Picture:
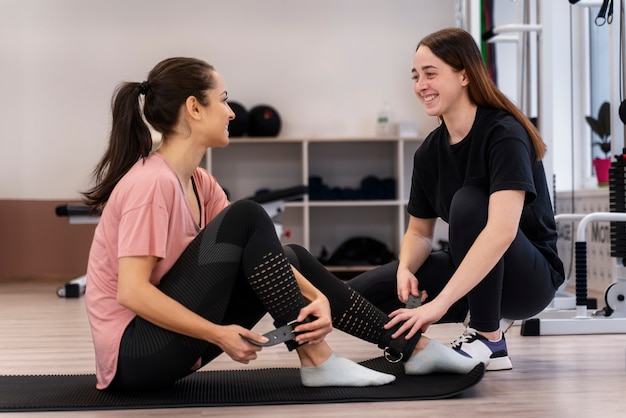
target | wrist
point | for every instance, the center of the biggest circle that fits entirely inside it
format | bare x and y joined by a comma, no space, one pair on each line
321,297
442,303
402,268
214,333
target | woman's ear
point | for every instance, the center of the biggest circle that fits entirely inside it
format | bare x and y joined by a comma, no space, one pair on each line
464,78
192,108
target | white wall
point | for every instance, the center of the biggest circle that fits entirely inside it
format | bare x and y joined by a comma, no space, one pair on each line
326,65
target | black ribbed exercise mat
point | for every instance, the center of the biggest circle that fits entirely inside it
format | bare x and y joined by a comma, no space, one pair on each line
224,388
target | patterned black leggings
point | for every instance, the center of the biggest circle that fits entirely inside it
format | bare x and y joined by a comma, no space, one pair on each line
234,272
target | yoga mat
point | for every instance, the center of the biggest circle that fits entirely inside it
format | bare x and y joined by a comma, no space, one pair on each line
271,386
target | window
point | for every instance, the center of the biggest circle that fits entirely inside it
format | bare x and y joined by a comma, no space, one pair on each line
599,71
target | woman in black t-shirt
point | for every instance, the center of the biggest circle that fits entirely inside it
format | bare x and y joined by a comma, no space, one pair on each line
481,172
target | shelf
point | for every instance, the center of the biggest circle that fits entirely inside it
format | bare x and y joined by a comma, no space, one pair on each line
249,140
295,204
264,140
348,272
352,203
248,165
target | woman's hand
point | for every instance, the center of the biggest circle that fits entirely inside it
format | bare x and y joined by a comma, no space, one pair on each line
314,332
231,341
415,249
319,308
417,319
407,284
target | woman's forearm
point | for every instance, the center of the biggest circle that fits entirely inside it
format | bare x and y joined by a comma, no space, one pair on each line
413,252
417,244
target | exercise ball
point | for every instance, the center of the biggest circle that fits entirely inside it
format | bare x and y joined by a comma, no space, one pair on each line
238,126
263,120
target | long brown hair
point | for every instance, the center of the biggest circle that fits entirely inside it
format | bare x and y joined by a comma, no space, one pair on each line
457,48
166,89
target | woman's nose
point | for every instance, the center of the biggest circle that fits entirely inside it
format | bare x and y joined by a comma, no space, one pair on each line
418,86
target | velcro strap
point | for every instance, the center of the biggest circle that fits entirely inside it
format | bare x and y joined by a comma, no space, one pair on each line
280,335
413,302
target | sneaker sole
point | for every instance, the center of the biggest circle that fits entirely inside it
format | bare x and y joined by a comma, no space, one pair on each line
499,363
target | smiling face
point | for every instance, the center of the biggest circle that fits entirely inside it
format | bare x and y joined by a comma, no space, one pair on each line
441,89
216,115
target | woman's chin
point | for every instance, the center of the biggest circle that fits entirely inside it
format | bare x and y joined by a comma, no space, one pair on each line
431,112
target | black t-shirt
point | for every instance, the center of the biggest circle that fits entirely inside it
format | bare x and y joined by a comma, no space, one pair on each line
496,154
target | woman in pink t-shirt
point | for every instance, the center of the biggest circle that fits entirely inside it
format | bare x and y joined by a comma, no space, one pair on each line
177,275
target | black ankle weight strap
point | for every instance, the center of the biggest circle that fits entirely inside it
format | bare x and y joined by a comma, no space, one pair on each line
400,349
284,334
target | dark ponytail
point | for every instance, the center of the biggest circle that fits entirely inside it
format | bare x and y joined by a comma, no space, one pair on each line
130,140
168,86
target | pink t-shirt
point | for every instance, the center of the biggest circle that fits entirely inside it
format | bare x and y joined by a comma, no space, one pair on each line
146,214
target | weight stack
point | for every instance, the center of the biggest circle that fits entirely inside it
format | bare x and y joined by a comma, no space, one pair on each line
617,203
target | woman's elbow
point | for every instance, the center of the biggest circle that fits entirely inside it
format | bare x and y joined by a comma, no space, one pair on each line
124,297
508,235
503,234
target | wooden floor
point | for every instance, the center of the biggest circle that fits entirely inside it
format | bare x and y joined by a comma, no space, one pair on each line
553,376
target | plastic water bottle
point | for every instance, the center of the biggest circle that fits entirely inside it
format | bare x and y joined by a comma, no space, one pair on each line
383,126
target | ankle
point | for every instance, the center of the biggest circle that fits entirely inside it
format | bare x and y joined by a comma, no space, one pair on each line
493,336
313,355
421,344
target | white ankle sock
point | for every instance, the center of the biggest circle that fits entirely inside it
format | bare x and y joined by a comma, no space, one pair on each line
339,371
436,357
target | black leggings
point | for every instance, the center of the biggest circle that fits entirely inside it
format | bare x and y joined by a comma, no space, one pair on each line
519,286
234,272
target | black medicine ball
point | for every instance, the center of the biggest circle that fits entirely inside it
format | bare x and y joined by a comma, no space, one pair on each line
238,126
263,120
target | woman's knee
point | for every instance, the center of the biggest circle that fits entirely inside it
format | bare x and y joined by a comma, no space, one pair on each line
469,206
247,207
295,254
373,281
297,250
468,217
244,216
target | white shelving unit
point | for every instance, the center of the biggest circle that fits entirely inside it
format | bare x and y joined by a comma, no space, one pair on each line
250,164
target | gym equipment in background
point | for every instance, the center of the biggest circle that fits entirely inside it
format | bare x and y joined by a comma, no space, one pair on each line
370,188
238,127
273,201
358,251
263,120
560,319
77,213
